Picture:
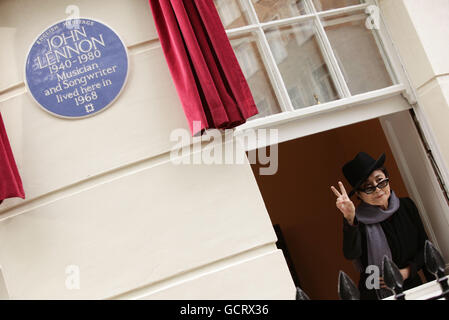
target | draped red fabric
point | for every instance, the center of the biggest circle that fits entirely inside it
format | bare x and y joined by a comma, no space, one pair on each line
205,71
10,182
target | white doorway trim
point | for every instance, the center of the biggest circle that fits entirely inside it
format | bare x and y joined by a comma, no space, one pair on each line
419,177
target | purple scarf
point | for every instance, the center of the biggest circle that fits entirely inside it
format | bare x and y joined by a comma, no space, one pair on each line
376,240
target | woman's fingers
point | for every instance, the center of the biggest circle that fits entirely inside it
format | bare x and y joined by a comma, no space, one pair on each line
382,283
335,191
342,188
343,203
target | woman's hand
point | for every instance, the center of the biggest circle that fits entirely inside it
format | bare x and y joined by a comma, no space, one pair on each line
382,283
344,204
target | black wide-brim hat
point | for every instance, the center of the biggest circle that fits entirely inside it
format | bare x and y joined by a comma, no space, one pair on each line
359,169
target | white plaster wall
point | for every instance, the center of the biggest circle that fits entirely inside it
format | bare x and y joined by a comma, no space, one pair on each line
430,19
235,282
102,193
420,29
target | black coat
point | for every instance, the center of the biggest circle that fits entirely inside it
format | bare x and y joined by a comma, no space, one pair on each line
406,237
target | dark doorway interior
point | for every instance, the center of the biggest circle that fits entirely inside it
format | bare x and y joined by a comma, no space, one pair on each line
299,200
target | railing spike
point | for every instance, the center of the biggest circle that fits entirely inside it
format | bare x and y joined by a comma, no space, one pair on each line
435,265
393,278
433,260
301,295
347,290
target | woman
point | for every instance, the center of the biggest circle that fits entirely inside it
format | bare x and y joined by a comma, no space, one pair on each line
382,224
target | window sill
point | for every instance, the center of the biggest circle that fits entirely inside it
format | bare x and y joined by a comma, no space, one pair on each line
301,122
422,292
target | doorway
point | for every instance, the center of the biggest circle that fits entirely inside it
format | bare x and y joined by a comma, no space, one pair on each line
302,206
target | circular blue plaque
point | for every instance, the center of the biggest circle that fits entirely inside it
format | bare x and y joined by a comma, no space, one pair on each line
76,68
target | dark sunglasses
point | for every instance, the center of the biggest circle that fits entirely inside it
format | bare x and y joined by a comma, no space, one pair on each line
380,185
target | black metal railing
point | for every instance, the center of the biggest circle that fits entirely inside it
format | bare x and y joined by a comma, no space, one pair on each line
434,262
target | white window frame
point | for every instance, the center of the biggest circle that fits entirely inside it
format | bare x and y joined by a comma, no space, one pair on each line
347,109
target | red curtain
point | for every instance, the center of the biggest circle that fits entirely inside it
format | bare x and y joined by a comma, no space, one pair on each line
10,182
206,73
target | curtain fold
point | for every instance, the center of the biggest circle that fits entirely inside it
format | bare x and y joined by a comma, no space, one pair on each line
10,181
205,71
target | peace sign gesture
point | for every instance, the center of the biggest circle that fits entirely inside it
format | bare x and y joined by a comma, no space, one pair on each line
344,204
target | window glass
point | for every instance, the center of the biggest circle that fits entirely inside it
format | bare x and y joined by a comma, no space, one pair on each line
231,13
300,51
357,52
269,10
250,61
301,64
321,5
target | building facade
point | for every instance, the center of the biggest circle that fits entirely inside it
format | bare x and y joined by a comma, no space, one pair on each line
108,215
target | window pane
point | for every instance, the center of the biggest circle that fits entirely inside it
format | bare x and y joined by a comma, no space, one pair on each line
268,10
231,13
322,5
356,50
250,61
302,66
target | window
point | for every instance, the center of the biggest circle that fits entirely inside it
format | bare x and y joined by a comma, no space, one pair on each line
302,64
278,46
322,5
359,56
310,54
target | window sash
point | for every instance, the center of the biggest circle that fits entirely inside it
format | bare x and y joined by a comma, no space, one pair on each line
382,39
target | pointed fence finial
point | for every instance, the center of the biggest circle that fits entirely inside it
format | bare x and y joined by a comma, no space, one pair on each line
435,265
301,295
347,290
393,278
433,260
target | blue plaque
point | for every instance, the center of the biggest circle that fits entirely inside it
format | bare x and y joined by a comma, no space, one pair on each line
76,68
